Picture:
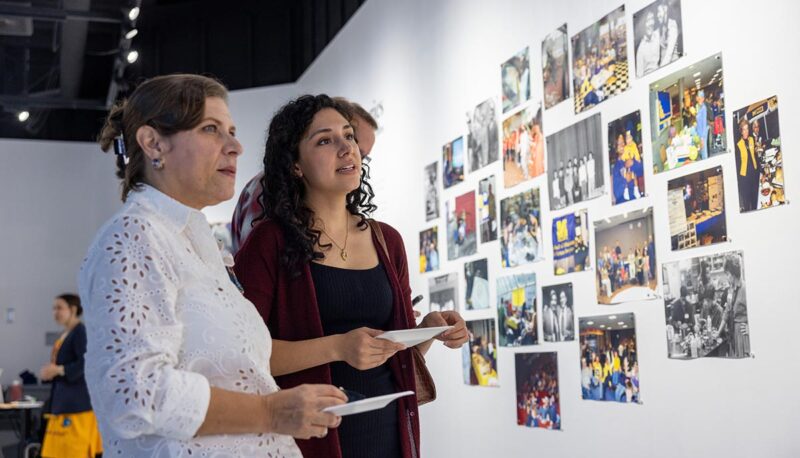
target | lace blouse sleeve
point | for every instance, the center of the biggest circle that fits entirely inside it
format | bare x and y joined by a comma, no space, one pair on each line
129,286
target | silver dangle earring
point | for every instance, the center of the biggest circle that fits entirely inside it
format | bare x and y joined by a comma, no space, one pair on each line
158,164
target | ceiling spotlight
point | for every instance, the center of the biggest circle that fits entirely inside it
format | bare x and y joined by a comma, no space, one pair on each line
132,56
133,14
621,323
131,33
590,323
612,317
697,74
23,116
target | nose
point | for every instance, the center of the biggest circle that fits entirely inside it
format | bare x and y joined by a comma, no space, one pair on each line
234,146
345,147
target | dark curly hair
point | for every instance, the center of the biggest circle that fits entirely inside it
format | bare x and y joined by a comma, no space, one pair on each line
283,197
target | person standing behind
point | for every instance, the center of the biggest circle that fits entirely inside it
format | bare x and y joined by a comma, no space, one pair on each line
72,426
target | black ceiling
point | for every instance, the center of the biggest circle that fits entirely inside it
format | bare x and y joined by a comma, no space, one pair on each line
65,82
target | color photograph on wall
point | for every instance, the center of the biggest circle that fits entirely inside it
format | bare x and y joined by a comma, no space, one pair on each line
625,252
555,67
575,163
462,238
571,243
696,207
600,61
516,78
443,292
523,146
609,358
429,250
453,162
625,158
479,355
521,237
476,275
558,313
657,35
431,191
687,115
483,142
516,310
487,209
706,307
759,157
538,399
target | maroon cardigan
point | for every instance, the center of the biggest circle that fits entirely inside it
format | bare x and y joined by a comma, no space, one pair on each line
289,308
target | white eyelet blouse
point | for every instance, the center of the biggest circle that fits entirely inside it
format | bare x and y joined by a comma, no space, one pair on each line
164,324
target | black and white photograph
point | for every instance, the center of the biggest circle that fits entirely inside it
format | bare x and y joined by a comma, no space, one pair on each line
657,35
600,61
575,163
516,310
431,191
483,141
558,313
487,209
706,307
759,157
443,292
521,240
555,67
516,79
476,276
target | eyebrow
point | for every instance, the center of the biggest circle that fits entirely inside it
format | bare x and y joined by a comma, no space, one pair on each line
327,129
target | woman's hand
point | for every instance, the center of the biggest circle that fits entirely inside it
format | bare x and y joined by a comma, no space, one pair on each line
360,348
298,412
452,338
49,372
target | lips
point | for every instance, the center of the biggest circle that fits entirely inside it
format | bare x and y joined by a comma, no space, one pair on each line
230,171
351,168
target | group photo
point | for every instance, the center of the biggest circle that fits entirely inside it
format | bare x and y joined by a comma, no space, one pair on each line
609,358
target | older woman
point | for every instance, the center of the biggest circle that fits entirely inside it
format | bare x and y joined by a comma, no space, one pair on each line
178,361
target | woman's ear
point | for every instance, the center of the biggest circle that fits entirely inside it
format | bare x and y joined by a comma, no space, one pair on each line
153,144
298,172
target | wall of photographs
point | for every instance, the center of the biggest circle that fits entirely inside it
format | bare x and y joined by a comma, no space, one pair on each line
545,165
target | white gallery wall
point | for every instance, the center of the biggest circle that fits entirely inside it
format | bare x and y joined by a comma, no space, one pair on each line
429,62
53,198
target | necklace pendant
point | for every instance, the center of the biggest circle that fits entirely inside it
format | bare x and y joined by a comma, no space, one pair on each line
343,254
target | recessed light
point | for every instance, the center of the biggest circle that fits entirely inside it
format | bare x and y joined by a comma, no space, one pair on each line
23,116
590,323
612,317
133,14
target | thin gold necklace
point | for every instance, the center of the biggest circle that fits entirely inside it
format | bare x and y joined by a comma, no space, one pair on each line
342,250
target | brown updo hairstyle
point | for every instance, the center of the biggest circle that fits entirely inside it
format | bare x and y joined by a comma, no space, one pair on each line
169,104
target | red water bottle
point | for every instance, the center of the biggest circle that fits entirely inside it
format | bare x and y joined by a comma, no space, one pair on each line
15,391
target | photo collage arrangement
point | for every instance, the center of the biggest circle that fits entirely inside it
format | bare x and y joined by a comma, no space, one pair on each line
703,297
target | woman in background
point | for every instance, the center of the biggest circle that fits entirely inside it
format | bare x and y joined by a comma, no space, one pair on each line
71,426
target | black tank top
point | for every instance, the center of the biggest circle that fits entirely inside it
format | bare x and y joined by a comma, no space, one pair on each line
347,300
